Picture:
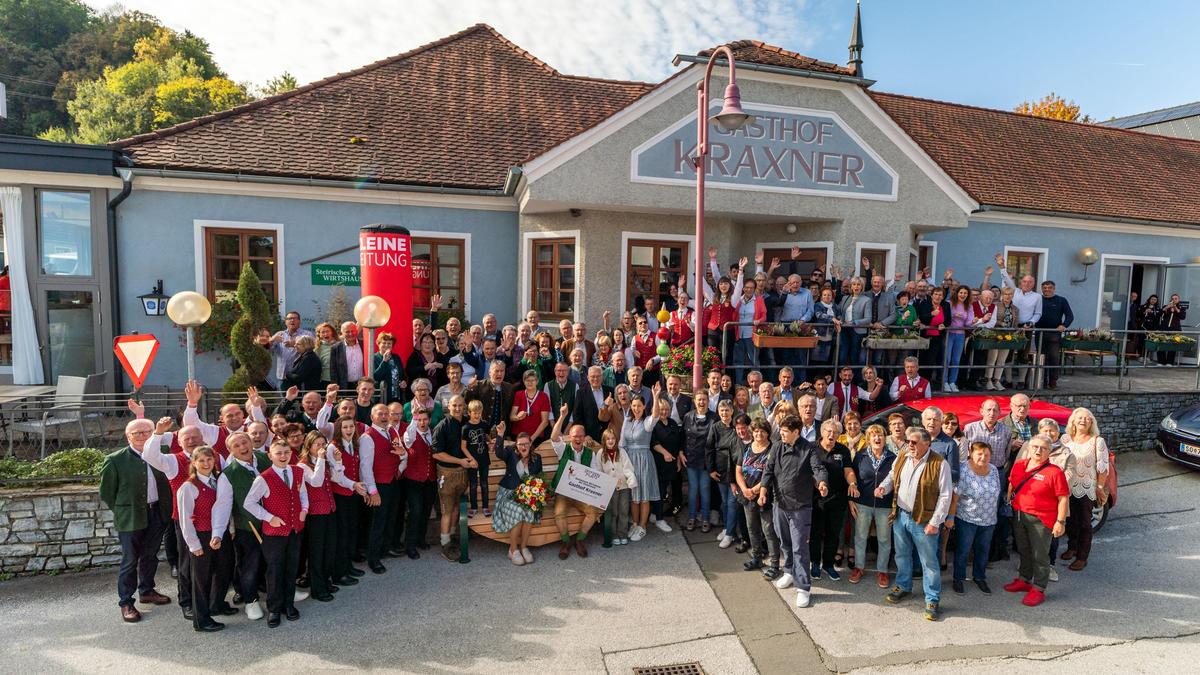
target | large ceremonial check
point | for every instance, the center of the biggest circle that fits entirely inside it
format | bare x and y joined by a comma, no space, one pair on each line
586,485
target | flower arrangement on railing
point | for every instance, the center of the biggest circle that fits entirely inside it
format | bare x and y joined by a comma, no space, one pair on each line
1177,338
793,329
680,360
990,338
1090,335
531,494
889,334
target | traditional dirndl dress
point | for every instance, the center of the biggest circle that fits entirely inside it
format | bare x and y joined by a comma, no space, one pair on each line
508,513
635,443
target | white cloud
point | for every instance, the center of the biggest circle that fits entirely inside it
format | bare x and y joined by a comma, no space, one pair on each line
254,40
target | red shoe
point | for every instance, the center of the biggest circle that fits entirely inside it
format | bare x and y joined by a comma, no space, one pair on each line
1018,585
1034,597
884,581
856,576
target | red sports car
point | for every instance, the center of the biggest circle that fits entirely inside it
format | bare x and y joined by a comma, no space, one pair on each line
966,408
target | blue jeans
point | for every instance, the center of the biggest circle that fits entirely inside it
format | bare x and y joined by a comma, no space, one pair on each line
971,538
850,349
862,532
698,492
907,536
954,350
729,508
745,358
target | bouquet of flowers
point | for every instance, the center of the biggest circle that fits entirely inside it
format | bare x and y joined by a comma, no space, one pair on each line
531,494
681,360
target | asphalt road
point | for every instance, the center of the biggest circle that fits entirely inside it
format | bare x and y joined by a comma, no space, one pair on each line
665,600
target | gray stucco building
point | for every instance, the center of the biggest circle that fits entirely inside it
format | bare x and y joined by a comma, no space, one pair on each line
526,188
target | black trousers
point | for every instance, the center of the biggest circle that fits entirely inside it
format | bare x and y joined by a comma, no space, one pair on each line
322,545
170,545
206,592
349,510
1052,350
419,498
184,581
931,359
828,519
670,487
478,479
249,565
283,561
139,557
396,541
383,521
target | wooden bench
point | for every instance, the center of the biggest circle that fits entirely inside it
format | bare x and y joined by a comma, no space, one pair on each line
544,532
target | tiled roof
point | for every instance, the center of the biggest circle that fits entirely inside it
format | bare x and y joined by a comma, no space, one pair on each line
1006,159
458,112
753,51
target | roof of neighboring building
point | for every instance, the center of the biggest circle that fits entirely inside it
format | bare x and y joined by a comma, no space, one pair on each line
458,112
1155,116
753,51
1019,161
32,154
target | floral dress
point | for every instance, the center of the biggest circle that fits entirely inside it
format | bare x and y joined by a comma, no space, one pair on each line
977,496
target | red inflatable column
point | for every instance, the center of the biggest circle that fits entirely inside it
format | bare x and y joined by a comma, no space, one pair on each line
386,271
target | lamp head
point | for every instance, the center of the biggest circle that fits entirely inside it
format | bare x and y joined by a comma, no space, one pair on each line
732,116
189,308
1088,256
372,311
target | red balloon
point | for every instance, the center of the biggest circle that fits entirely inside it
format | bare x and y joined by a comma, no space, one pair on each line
664,333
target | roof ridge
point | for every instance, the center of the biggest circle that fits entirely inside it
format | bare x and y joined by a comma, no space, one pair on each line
263,102
1089,125
734,44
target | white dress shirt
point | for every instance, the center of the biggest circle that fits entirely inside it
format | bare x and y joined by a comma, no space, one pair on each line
211,432
910,479
354,363
913,383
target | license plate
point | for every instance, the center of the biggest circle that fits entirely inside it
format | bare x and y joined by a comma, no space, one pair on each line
1189,449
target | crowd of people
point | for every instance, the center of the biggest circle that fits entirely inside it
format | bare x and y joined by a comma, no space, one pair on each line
269,499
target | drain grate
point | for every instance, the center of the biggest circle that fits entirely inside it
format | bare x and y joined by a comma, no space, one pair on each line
692,668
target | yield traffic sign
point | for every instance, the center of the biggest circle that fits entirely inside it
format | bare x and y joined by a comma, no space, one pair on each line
136,353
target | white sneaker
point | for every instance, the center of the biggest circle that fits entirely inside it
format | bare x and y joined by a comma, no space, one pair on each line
527,556
803,599
653,518
637,534
783,581
1053,574
662,525
516,558
254,611
726,542
947,390
300,595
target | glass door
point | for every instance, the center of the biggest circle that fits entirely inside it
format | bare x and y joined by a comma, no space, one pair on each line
1114,295
1185,280
72,326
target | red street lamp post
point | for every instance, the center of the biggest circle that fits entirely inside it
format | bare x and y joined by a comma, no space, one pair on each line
731,117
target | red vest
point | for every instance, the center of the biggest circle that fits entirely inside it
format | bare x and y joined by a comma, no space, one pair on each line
841,397
350,468
643,350
181,477
283,503
905,393
218,447
718,314
386,464
420,461
681,327
320,498
202,508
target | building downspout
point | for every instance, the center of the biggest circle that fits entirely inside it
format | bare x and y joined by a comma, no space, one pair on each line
114,310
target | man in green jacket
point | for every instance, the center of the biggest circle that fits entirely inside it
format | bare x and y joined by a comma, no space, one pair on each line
140,499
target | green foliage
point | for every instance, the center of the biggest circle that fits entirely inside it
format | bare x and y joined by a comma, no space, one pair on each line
77,462
253,360
41,24
56,134
278,85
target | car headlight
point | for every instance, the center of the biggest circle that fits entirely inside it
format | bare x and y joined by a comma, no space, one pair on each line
1169,424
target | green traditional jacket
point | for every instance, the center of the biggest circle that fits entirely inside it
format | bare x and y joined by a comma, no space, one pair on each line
124,486
584,458
241,479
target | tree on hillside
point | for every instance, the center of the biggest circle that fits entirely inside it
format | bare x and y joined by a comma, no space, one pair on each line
278,85
1054,107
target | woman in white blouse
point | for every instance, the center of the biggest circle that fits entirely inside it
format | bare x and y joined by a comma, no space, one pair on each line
1087,471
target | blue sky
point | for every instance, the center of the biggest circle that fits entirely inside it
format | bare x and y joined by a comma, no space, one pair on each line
1113,58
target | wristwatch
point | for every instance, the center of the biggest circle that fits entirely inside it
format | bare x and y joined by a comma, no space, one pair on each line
1060,522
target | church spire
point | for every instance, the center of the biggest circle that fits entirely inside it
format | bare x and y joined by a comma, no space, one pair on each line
856,43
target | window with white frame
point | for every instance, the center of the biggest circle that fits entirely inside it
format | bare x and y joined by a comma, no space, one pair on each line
1025,261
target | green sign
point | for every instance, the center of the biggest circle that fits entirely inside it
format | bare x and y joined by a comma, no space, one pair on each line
335,275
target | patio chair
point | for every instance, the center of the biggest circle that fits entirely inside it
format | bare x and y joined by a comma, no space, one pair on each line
66,407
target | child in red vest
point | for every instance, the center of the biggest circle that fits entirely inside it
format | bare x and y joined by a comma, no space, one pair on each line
319,530
279,499
204,506
348,496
